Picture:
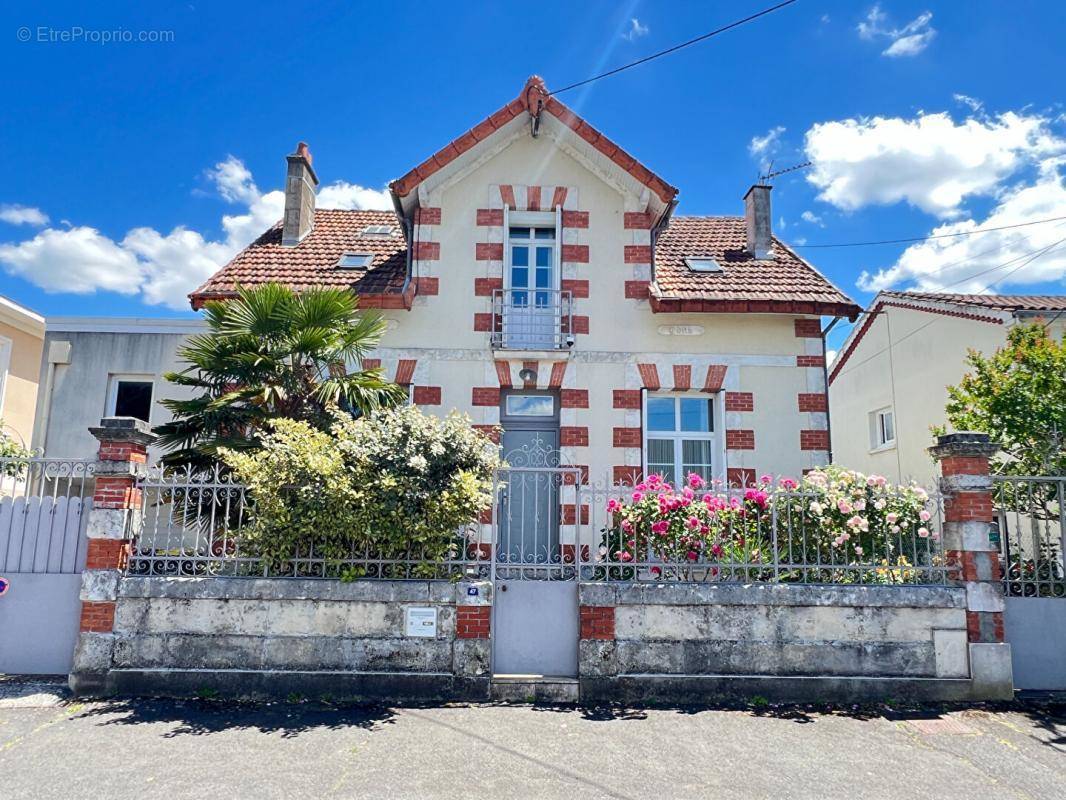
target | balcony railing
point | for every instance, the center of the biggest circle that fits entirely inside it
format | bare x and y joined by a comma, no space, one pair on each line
532,319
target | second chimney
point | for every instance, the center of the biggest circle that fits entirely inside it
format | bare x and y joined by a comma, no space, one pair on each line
300,183
757,220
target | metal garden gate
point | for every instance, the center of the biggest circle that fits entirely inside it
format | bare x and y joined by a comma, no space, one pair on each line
44,507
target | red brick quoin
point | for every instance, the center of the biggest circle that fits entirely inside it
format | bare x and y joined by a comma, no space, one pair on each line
597,622
97,617
473,622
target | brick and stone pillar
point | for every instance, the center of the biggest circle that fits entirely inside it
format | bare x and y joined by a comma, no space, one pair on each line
122,459
973,557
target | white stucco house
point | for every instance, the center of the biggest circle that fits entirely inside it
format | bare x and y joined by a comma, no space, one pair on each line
888,384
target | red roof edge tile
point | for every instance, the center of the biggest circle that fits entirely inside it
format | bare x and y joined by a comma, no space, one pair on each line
534,96
394,300
660,305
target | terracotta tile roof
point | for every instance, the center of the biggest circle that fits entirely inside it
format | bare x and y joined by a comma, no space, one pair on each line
534,94
313,262
785,284
998,302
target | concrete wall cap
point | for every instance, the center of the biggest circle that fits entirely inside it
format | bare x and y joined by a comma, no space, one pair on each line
123,429
964,443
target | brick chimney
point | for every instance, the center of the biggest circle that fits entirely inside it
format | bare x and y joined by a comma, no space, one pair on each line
757,220
300,183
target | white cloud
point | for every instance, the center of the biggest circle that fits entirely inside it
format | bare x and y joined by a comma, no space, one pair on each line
636,30
930,162
830,357
974,105
164,267
767,144
908,40
14,214
992,260
812,218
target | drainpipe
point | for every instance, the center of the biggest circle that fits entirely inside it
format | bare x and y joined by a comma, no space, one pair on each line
825,380
657,228
409,235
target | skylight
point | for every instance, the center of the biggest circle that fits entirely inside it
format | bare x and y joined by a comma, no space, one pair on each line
355,260
377,230
703,264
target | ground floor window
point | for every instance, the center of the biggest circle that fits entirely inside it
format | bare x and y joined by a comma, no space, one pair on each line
679,435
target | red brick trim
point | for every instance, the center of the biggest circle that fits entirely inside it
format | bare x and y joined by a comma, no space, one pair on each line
569,514
483,322
739,401
578,288
808,328
968,507
575,219
484,287
371,363
580,324
427,251
490,217
106,553
123,451
740,477
810,361
503,374
533,198
574,398
569,479
427,216
637,290
637,254
715,378
682,377
427,395
533,367
636,220
575,253
427,286
813,402
814,440
574,436
97,617
559,197
473,622
116,492
405,371
740,439
627,437
597,622
485,396
488,251
558,372
649,376
964,465
626,398
507,195
627,476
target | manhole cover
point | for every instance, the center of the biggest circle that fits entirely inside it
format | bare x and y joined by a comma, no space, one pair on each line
940,725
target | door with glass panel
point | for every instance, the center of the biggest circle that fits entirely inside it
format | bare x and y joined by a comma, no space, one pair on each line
679,435
531,307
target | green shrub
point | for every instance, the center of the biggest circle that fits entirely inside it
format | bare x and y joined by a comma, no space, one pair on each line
396,484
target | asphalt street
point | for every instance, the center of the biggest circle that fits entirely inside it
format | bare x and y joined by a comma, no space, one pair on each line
55,747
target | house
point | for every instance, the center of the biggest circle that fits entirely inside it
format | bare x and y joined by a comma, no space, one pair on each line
93,367
21,337
888,385
534,274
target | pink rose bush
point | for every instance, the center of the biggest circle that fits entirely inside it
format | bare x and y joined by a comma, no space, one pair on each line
835,525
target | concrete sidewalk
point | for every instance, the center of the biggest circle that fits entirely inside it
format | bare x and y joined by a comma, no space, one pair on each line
53,747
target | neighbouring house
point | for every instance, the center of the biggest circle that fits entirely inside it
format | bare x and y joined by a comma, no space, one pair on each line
93,367
888,385
21,337
534,275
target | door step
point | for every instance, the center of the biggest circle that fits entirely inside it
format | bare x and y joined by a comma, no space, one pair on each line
534,689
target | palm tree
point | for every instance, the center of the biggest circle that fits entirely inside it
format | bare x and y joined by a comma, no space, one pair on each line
272,352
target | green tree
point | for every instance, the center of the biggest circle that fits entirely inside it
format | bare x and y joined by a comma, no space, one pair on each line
1018,395
272,353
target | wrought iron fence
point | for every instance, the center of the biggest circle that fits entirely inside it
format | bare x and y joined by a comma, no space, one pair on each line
532,319
1030,525
44,504
783,542
201,524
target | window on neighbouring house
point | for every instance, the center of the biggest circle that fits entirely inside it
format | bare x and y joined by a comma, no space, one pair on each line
882,428
355,261
679,435
130,397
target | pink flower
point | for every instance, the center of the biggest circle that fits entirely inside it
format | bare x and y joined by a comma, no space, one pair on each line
844,507
923,532
641,487
692,555
693,523
891,517
627,525
638,496
662,526
924,515
656,571
716,549
788,484
613,505
696,481
654,479
766,479
626,556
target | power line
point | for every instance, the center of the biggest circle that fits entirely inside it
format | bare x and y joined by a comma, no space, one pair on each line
675,48
1030,257
935,236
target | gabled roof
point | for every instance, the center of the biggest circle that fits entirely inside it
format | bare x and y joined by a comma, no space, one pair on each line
533,99
313,262
784,284
995,309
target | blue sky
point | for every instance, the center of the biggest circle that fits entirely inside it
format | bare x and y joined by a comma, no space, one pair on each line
122,159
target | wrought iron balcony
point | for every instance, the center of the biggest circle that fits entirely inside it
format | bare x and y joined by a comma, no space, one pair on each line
532,319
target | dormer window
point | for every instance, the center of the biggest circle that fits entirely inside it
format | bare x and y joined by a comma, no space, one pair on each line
703,264
378,230
355,261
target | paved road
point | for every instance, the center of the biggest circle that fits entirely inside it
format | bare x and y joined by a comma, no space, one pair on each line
51,747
